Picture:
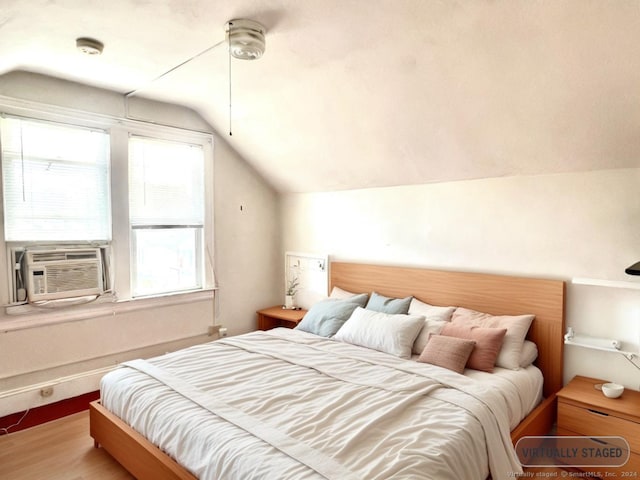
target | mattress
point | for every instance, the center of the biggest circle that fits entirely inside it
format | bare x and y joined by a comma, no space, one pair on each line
290,405
521,389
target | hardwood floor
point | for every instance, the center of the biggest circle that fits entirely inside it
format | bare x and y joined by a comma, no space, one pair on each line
58,450
63,450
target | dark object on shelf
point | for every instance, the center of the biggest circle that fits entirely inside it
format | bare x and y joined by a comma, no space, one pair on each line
633,269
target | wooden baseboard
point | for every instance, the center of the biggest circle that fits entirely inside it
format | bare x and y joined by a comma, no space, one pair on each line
46,413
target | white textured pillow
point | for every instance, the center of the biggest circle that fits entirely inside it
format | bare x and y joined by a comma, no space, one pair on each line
389,333
435,319
517,327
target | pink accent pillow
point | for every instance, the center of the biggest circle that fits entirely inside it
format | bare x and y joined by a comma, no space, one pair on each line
488,343
517,327
447,352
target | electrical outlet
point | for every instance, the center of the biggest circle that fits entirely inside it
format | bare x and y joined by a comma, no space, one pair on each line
46,392
222,332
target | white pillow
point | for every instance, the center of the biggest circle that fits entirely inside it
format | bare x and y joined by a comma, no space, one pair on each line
340,294
434,319
529,353
389,333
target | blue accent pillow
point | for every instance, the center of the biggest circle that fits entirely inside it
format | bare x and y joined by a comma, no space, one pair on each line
359,298
327,316
380,303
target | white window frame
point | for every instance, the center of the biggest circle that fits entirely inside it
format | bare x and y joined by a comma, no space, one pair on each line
119,130
140,225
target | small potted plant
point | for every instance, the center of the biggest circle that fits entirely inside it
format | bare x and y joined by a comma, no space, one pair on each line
292,288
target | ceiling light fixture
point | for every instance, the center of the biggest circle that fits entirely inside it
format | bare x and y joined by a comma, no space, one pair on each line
89,46
246,42
245,38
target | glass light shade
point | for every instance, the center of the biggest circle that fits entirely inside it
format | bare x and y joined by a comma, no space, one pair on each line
246,39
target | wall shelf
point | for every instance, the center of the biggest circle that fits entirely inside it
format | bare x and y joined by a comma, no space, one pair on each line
601,344
597,282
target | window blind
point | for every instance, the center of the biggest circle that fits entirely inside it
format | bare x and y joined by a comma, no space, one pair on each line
166,211
56,181
166,183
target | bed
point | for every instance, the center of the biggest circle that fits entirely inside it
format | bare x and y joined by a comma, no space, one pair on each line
494,294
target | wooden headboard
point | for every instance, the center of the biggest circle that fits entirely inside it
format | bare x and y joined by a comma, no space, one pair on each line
494,294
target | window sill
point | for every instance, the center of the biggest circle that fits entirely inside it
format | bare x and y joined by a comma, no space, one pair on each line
39,318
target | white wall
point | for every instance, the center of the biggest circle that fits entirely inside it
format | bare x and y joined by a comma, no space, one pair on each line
245,245
558,226
249,256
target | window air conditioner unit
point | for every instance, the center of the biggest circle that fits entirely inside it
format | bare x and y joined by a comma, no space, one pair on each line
63,273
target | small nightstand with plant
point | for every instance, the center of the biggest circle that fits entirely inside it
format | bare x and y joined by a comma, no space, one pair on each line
287,315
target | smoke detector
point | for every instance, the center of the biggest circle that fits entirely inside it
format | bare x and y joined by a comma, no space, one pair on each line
89,46
245,38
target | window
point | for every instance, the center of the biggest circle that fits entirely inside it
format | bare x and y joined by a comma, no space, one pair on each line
143,193
55,180
166,210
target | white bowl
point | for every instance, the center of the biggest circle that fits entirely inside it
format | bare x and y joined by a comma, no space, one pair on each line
612,390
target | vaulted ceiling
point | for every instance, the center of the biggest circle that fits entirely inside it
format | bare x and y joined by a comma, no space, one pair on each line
364,93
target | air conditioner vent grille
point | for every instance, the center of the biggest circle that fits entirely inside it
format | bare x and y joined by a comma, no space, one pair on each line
48,257
66,278
61,256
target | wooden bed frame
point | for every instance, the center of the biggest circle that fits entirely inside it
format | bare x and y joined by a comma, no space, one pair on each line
495,294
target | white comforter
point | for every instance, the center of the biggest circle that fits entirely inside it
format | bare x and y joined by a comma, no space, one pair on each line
299,406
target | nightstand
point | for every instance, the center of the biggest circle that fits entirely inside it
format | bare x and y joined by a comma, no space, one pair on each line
279,317
585,411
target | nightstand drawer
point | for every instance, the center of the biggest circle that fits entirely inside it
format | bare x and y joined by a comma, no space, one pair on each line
594,423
